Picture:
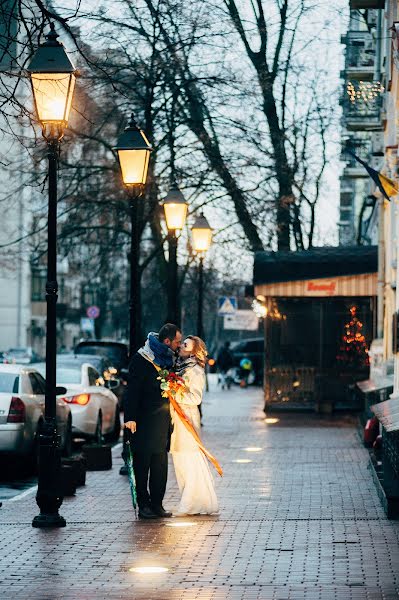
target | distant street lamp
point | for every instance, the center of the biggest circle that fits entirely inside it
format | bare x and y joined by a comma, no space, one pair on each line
52,76
175,207
134,154
202,238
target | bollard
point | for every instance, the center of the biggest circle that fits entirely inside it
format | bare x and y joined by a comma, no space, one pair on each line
98,457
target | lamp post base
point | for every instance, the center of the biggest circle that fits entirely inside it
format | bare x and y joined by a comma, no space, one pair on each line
44,521
49,496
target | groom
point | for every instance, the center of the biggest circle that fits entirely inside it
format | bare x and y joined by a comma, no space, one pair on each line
147,415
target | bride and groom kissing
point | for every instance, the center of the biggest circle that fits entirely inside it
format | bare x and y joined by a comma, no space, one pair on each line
165,417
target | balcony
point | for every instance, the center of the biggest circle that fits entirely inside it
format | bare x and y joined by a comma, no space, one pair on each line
362,115
356,4
346,199
360,55
362,147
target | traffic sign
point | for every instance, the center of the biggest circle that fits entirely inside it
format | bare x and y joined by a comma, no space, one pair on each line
243,320
93,312
227,305
87,325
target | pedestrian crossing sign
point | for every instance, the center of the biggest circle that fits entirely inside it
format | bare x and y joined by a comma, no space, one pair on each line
227,305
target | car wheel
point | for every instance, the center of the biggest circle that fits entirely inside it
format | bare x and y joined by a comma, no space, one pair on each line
98,435
67,449
116,431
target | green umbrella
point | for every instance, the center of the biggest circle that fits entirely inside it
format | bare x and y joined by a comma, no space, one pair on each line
130,472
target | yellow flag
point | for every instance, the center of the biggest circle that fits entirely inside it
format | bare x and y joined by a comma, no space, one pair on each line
389,186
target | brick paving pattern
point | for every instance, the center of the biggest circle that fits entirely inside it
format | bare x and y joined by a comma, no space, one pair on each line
301,521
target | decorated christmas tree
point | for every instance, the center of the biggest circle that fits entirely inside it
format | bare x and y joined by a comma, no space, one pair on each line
353,352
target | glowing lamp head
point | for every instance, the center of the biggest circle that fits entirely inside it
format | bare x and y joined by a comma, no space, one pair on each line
52,76
134,155
202,234
175,207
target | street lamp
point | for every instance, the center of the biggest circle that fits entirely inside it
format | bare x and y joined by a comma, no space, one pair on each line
134,154
175,207
202,239
52,76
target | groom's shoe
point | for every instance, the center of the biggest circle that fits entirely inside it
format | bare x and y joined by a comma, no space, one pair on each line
161,512
146,512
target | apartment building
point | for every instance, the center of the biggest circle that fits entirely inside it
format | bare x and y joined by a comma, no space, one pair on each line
15,198
362,118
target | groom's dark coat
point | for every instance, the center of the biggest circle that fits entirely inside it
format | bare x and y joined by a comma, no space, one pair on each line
144,404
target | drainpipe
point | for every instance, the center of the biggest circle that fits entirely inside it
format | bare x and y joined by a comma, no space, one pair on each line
378,40
381,269
395,393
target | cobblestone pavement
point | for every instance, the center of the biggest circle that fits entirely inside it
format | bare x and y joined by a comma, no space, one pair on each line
301,521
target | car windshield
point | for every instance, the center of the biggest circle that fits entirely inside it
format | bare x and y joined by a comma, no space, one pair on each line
9,383
115,353
68,375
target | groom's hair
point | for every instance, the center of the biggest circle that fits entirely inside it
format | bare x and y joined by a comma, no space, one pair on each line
168,331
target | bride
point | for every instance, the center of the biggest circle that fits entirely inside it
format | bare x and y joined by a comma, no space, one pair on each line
193,474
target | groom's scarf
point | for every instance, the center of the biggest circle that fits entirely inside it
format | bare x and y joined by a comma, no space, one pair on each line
157,352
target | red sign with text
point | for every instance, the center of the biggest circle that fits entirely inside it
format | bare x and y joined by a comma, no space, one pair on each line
320,288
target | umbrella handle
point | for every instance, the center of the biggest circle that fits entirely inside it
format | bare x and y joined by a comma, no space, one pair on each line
129,437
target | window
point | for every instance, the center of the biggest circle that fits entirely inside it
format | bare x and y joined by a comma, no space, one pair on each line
9,383
36,384
67,375
38,286
254,346
240,347
41,382
8,34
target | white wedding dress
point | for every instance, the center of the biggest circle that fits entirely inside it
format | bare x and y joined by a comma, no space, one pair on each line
193,473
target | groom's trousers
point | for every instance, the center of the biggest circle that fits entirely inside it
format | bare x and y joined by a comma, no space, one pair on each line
151,472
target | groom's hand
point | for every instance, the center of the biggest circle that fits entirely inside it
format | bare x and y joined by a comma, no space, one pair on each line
131,425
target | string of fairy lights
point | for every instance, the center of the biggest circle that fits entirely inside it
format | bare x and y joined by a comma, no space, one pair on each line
364,91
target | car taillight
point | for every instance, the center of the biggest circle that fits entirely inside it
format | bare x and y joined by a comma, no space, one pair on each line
16,414
81,399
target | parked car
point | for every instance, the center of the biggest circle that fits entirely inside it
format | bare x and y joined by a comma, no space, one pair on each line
21,356
22,392
117,352
103,365
94,408
254,349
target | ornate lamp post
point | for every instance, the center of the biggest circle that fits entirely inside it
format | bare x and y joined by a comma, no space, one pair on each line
202,239
134,154
175,207
52,77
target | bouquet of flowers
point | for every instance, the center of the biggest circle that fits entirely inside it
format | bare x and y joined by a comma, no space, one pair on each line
171,384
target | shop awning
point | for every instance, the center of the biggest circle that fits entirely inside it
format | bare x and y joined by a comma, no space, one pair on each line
320,272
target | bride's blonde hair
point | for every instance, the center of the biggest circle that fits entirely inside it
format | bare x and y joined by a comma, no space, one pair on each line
199,351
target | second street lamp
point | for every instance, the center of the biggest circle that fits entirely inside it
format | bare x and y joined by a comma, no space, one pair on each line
202,239
175,207
53,79
134,154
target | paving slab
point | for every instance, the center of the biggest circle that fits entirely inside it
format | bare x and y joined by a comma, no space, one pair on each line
302,520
